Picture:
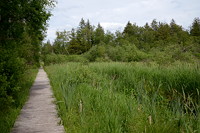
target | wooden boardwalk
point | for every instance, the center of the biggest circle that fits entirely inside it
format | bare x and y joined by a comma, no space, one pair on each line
39,114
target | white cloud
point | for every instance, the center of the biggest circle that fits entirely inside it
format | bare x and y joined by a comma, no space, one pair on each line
114,14
112,26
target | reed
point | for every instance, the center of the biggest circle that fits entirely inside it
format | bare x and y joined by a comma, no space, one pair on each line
127,97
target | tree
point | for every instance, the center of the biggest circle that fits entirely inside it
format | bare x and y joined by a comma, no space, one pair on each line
163,31
119,39
195,28
84,37
131,33
109,38
74,46
89,31
128,30
47,48
174,27
177,34
154,25
99,35
82,24
61,42
147,36
22,26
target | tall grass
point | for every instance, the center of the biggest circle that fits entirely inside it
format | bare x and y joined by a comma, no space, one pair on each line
127,97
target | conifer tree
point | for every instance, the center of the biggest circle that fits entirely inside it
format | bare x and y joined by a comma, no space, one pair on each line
128,30
195,28
99,34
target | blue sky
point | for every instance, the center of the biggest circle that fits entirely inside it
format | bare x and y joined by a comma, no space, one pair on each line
114,14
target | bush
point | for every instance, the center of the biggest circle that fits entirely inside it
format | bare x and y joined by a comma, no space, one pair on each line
100,59
76,58
53,59
132,53
12,105
115,53
126,53
96,52
57,59
172,53
11,73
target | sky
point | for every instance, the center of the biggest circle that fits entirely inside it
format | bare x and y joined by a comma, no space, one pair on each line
114,14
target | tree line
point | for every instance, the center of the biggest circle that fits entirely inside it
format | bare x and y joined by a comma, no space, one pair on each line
148,40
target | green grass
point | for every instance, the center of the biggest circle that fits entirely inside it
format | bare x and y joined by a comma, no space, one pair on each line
127,97
8,117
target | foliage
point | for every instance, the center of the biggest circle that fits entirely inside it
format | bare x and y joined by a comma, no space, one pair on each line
59,59
96,52
160,42
46,48
22,28
84,38
195,28
8,116
61,42
11,73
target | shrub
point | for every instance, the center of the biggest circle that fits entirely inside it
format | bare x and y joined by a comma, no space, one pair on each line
172,53
100,59
11,72
95,52
115,53
53,59
132,53
126,53
76,58
57,59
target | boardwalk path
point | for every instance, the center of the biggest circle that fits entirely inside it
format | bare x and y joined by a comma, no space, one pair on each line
39,113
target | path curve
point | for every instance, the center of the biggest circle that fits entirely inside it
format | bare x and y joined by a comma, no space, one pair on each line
39,113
